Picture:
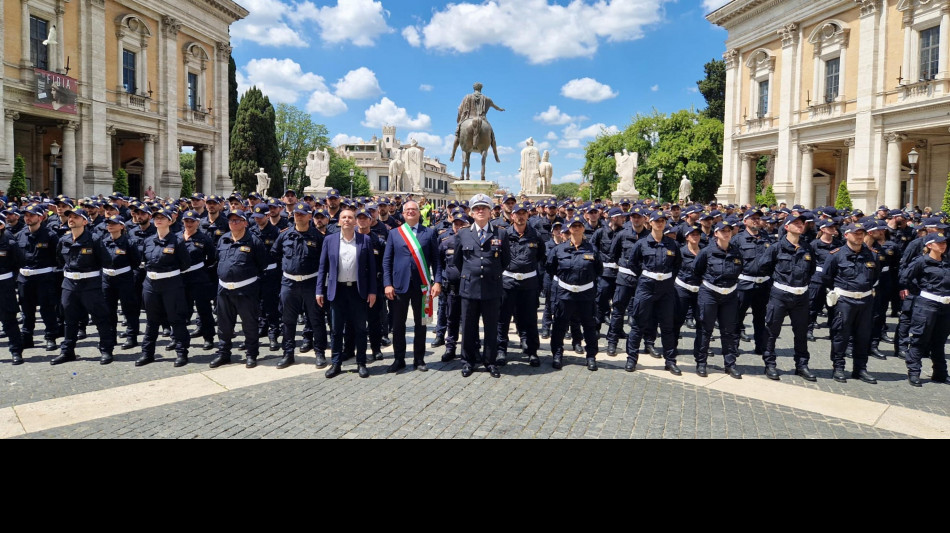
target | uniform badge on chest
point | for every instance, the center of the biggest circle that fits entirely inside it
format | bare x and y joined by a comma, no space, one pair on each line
496,242
86,251
168,251
246,249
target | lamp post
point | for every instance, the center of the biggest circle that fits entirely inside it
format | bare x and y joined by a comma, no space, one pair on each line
659,189
913,157
54,152
352,173
590,187
286,169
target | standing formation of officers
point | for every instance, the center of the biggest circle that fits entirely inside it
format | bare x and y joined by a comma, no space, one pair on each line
360,266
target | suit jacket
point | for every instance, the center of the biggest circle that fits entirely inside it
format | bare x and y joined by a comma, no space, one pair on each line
397,261
330,263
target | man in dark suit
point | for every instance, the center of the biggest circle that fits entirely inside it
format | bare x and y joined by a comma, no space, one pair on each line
347,279
410,265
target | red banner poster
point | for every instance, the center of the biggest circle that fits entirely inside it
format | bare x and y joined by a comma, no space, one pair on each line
56,92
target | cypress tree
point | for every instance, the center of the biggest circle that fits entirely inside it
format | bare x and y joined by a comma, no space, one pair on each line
844,197
946,197
121,184
17,187
254,144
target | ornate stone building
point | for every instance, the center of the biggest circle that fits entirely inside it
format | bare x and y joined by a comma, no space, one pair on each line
837,90
90,86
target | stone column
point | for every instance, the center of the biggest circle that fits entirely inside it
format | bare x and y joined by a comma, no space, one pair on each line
223,182
70,174
806,189
892,179
727,191
784,160
170,180
58,60
97,143
148,173
745,178
849,143
944,71
206,183
25,63
9,118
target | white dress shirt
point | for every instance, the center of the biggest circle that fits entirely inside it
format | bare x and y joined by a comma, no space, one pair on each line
346,271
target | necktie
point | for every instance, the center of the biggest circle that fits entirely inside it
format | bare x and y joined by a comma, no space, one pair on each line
482,236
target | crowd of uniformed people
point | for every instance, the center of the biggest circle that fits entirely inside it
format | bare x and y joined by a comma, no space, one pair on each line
349,271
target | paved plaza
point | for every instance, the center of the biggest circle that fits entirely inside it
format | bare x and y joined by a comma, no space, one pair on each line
86,400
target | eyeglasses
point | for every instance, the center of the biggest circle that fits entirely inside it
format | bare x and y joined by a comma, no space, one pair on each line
236,220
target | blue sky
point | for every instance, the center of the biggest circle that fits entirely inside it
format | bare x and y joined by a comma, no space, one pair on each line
563,70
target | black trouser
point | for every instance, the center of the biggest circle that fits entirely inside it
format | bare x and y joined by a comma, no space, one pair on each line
8,316
605,292
442,321
522,305
817,296
81,299
298,297
547,318
472,311
314,324
199,297
724,308
881,298
565,311
782,304
165,303
39,291
453,312
687,304
349,311
930,327
269,322
902,338
122,289
243,303
400,313
757,299
852,322
623,300
653,305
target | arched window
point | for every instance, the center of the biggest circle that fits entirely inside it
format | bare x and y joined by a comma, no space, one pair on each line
133,35
196,62
830,40
761,65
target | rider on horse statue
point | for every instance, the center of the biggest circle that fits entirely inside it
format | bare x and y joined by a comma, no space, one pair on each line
475,105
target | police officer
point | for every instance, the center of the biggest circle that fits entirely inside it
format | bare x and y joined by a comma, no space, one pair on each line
82,258
521,286
166,257
37,282
929,277
242,260
366,223
656,261
118,281
11,259
576,266
852,271
199,290
547,317
621,249
753,284
791,264
821,248
602,239
264,229
716,272
451,278
914,250
889,257
687,294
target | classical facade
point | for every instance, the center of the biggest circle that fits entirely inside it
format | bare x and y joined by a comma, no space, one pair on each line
837,90
420,174
90,86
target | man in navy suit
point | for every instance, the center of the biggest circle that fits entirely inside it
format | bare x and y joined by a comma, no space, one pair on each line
347,279
404,282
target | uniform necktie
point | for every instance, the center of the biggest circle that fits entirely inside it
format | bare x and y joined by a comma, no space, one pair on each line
482,236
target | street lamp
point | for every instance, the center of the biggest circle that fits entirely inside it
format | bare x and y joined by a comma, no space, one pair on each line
352,173
54,152
590,187
659,189
286,169
913,157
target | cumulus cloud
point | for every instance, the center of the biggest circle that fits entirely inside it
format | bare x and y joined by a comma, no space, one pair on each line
573,136
266,25
282,80
411,34
551,136
358,84
433,144
505,150
343,138
588,89
359,22
326,104
555,117
573,177
712,5
540,30
386,113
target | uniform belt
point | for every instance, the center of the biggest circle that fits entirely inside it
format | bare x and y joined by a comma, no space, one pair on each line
656,276
612,266
520,276
113,273
933,297
79,276
4,277
855,295
687,286
720,290
155,276
793,290
757,281
300,278
627,271
26,272
575,288
237,285
347,283
194,268
271,267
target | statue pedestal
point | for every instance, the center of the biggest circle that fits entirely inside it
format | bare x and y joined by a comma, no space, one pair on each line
633,196
317,192
464,190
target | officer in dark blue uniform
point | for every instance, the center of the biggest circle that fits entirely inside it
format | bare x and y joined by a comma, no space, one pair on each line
914,250
621,249
889,257
366,224
852,271
443,230
11,259
216,223
521,286
602,239
199,290
242,260
753,284
655,260
576,267
118,281
451,277
791,264
929,277
82,259
687,294
37,282
547,317
827,241
264,229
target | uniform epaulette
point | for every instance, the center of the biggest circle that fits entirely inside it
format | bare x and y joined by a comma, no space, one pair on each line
836,250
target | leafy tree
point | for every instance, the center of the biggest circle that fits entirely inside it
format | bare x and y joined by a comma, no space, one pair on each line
843,201
298,135
767,198
946,197
339,177
563,191
254,144
121,184
17,189
713,88
232,93
186,162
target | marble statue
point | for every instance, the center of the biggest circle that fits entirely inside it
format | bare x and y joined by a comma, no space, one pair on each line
686,189
318,168
263,182
397,171
475,105
627,170
546,171
413,158
530,163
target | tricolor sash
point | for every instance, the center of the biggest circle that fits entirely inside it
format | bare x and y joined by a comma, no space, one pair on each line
415,250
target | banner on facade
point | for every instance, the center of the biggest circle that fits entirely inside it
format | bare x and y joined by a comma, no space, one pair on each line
56,92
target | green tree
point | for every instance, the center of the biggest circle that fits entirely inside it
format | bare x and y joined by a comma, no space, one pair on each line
843,201
232,93
767,198
298,135
946,197
121,184
17,189
254,144
339,177
186,163
713,88
563,191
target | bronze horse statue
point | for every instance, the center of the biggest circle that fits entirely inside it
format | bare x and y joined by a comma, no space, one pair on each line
475,136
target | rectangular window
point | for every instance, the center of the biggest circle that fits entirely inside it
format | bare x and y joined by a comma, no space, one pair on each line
192,91
128,72
763,98
929,53
384,183
39,52
832,79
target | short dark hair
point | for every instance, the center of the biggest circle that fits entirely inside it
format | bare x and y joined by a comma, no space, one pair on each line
347,207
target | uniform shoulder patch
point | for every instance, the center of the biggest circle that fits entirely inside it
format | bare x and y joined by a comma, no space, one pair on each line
836,250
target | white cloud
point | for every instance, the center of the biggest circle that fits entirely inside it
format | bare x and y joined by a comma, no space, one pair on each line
588,89
505,150
343,138
433,144
411,34
551,136
326,104
655,88
574,136
574,155
540,30
358,84
359,22
573,177
426,88
265,25
712,5
555,117
282,80
386,113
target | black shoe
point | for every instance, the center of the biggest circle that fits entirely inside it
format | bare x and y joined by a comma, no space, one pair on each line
940,378
630,366
493,371
105,359
887,339
810,336
733,372
501,360
448,357
524,346
307,346
744,337
220,361
251,362
772,373
51,345
612,350
396,367
652,351
534,361
673,369
170,347
123,335
335,370
849,352
421,367
166,332
81,334
545,333
914,379
300,321
321,361
362,371
878,354
378,356
806,374
701,370
386,342
195,334
557,364
181,360
130,344
439,341
579,349
274,345
17,359
864,376
840,376
63,358
286,362
242,346
690,323
207,346
903,355
592,365
467,371
145,360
